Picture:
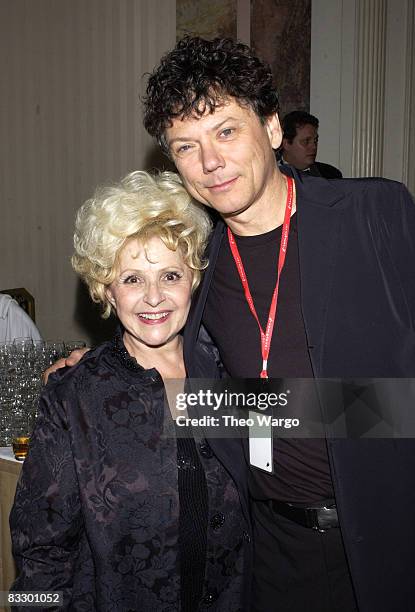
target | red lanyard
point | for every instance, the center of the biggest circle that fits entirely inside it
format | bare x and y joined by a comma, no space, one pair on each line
266,336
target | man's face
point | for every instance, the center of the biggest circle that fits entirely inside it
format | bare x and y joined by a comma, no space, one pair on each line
225,158
302,151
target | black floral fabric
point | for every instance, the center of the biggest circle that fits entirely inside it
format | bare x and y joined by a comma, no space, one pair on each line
96,513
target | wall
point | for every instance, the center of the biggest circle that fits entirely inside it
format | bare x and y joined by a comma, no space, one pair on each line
342,87
70,119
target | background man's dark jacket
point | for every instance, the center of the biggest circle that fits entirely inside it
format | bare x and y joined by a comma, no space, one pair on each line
325,170
317,169
357,254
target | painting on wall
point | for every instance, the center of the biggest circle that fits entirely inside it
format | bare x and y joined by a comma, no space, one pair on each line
206,18
281,35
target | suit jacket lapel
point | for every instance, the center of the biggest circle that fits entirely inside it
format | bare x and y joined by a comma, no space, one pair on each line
319,217
191,330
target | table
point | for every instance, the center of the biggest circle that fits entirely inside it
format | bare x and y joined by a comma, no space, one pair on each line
9,474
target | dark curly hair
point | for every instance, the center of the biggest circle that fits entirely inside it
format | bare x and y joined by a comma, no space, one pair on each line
197,75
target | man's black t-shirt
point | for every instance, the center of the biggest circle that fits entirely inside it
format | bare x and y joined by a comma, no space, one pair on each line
301,468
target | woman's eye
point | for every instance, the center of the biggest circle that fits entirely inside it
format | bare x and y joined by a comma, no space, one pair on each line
131,280
172,276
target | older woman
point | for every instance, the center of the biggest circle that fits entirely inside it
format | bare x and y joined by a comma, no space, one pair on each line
112,508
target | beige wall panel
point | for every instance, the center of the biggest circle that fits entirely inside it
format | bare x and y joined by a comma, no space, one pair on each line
70,119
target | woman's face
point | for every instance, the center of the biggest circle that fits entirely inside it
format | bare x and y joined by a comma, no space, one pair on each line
151,293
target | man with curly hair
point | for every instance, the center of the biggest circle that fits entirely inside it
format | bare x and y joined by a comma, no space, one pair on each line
333,521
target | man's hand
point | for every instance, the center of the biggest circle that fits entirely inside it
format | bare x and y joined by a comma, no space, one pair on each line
71,360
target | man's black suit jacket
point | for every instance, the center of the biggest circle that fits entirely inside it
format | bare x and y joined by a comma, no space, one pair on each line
357,255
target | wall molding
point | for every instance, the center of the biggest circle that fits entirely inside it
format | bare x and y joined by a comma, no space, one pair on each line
369,99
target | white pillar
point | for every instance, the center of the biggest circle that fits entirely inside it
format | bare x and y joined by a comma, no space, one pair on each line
369,100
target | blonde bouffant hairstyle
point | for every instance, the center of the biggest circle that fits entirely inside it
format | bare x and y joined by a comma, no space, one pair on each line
141,206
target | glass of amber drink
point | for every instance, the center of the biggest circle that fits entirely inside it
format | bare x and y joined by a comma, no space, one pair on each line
20,447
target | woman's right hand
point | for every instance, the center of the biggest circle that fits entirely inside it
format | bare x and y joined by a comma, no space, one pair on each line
71,360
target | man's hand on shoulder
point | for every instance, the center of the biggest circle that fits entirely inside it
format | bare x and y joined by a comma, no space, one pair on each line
71,360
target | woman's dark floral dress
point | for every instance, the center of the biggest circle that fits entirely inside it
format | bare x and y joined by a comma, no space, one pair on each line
96,513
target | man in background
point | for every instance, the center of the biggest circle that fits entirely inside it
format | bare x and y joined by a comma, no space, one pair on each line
299,145
14,322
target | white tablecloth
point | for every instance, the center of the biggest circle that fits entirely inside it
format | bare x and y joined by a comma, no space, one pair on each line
6,452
